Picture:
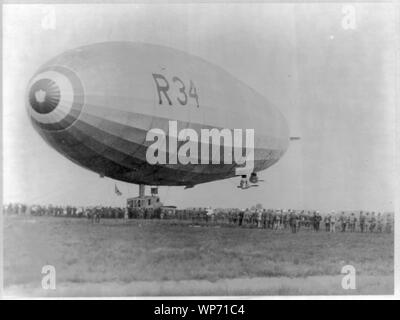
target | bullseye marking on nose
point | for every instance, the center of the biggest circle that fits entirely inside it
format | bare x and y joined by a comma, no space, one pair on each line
48,98
44,96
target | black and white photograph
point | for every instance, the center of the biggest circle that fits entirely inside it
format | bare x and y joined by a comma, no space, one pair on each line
199,149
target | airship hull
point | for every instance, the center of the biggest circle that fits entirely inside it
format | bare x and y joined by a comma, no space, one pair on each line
103,99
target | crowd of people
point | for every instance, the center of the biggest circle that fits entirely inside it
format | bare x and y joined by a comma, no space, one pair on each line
298,219
64,211
273,219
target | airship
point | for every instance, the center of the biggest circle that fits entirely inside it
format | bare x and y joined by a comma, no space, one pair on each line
96,105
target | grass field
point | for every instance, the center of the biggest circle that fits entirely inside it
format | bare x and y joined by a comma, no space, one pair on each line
164,257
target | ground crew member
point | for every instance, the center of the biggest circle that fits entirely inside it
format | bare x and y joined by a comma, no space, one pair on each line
259,217
332,227
388,227
292,221
247,217
348,224
366,222
317,221
285,219
235,218
372,222
244,183
362,222
264,219
353,221
327,221
342,221
241,216
276,222
280,219
270,217
379,223
209,213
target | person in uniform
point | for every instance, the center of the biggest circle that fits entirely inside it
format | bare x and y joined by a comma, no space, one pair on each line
259,217
372,224
286,219
276,222
264,219
89,214
362,222
209,213
253,217
348,223
280,220
244,183
379,223
332,227
270,218
353,221
310,219
366,222
342,221
95,213
297,220
241,217
389,223
247,217
327,221
292,221
235,217
317,221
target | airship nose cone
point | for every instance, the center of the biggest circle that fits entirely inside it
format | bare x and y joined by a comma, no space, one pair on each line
55,98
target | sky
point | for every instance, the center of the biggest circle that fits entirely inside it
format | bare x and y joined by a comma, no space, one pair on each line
332,78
